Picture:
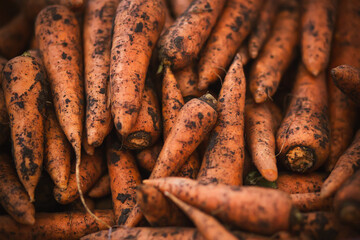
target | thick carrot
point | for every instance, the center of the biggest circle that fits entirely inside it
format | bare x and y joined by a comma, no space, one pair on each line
13,196
294,183
262,122
23,85
308,202
303,136
277,53
262,27
134,38
66,225
260,210
147,128
178,7
347,164
317,25
146,158
158,210
224,157
207,225
98,21
347,201
345,50
182,42
347,79
91,169
124,177
101,188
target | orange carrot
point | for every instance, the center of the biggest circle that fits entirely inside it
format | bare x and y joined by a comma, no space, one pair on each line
146,158
317,23
347,164
230,31
277,53
182,42
101,188
191,167
178,7
224,157
308,202
86,146
347,79
294,183
134,38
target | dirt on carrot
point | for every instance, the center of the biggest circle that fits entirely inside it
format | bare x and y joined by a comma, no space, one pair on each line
309,202
294,183
347,79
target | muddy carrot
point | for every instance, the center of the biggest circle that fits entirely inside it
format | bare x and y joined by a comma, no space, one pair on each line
308,202
345,50
101,188
77,206
317,25
23,85
191,167
133,40
277,53
66,225
262,28
224,157
13,196
158,210
98,21
86,146
303,136
178,7
262,122
124,177
91,169
293,183
347,164
181,44
146,158
347,79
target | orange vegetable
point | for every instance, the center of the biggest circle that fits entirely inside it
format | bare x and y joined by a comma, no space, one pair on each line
347,79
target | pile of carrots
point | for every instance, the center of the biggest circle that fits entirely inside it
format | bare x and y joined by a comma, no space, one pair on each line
179,119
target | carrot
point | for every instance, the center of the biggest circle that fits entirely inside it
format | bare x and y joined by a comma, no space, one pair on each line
303,136
262,28
86,146
347,79
276,54
182,42
294,183
158,210
317,25
178,7
15,35
13,196
124,177
346,201
23,85
147,128
133,40
243,53
224,157
33,7
91,169
345,167
345,50
146,158
308,202
260,210
262,121
207,225
66,225
169,20
230,31
101,188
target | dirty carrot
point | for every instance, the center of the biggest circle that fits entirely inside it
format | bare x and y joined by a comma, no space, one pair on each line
98,21
262,28
86,146
134,38
277,53
308,202
178,7
293,183
182,42
303,136
23,85
317,25
347,164
347,79
191,167
232,28
13,196
146,158
262,122
124,177
101,188
224,157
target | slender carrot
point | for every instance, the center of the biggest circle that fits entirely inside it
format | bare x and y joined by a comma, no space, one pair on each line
101,188
294,183
182,42
317,25
277,53
347,79
224,157
262,27
347,164
146,158
308,202
230,31
178,7
134,38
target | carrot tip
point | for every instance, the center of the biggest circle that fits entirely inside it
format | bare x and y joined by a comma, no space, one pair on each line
269,174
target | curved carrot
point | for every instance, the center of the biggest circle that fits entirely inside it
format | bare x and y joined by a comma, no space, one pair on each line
134,38
347,79
294,183
101,188
308,202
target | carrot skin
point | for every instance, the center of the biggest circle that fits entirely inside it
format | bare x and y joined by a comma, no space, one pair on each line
178,7
294,183
101,188
309,202
347,79
146,158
